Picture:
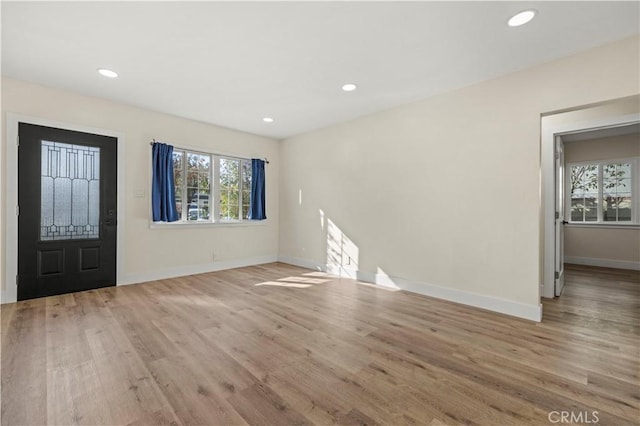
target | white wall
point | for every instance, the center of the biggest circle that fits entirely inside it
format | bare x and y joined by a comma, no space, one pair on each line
598,245
154,253
609,148
442,196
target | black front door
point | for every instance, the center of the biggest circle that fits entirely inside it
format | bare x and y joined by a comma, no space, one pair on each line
67,211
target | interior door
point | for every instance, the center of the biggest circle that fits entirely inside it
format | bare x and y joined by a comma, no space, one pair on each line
67,204
560,215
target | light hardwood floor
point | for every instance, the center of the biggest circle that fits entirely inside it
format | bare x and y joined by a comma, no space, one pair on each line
280,345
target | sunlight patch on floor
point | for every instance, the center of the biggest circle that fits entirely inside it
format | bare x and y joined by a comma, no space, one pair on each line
304,280
283,284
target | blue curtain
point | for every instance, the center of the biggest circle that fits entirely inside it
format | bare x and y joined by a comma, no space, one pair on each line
257,207
163,197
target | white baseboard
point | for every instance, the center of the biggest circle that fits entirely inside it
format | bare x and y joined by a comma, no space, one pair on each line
530,312
303,263
605,263
495,304
181,271
160,274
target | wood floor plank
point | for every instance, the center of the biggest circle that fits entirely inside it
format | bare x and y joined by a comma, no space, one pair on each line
259,405
71,395
24,366
276,344
191,394
225,375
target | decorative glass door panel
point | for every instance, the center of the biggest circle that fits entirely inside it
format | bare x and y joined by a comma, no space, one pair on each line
70,194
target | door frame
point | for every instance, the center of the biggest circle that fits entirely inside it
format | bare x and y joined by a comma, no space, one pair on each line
10,292
560,207
548,135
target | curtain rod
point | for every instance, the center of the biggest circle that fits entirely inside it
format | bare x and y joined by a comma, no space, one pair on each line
212,153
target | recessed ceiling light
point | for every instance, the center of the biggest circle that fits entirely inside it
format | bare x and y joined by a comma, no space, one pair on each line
107,73
349,87
522,18
268,119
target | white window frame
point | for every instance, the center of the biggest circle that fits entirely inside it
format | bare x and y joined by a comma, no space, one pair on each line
185,202
214,191
635,192
240,188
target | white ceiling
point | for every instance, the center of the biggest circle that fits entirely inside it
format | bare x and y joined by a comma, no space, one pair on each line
232,63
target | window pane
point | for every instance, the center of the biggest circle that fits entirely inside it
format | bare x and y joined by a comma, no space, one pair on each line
179,200
246,201
233,197
584,179
178,179
616,192
246,174
192,179
204,163
177,159
233,211
198,187
590,209
609,209
192,209
584,191
577,210
616,171
246,188
204,183
203,204
229,188
624,209
192,161
624,187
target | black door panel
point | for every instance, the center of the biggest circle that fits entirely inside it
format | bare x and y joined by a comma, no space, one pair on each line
67,201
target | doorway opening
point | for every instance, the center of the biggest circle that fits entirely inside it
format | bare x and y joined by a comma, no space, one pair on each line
561,205
599,192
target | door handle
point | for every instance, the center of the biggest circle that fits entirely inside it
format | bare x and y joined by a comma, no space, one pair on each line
564,222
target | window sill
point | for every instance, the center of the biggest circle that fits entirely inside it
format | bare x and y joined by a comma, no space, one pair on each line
604,225
223,224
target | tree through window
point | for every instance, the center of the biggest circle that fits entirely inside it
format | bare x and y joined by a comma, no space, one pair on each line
602,191
199,198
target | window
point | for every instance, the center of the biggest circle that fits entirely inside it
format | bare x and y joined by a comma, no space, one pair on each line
200,198
603,192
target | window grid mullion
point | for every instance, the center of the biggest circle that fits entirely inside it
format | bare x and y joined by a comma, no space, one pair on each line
211,183
215,193
635,190
184,187
240,188
600,200
615,173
